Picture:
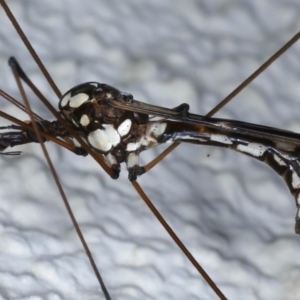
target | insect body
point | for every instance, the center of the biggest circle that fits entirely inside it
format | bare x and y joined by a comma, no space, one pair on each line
108,130
109,121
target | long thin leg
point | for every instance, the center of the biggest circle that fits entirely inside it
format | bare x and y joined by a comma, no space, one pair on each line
30,48
18,72
43,99
193,178
58,184
173,235
18,104
23,76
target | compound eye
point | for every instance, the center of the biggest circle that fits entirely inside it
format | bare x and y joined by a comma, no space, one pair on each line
126,97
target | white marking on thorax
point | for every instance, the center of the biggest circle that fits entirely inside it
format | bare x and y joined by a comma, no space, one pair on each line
279,160
108,95
154,130
104,139
223,139
132,146
95,84
84,120
113,133
253,149
124,127
78,99
295,180
65,100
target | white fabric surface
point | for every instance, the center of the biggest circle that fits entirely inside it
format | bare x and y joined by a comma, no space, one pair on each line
233,213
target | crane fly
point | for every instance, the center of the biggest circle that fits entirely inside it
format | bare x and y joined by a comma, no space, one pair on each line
39,277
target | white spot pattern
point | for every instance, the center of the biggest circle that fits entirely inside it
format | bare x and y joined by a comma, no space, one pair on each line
223,139
104,139
113,134
132,146
78,99
84,120
65,100
253,149
99,139
124,127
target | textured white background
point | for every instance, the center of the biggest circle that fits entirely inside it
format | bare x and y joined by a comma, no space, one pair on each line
233,213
